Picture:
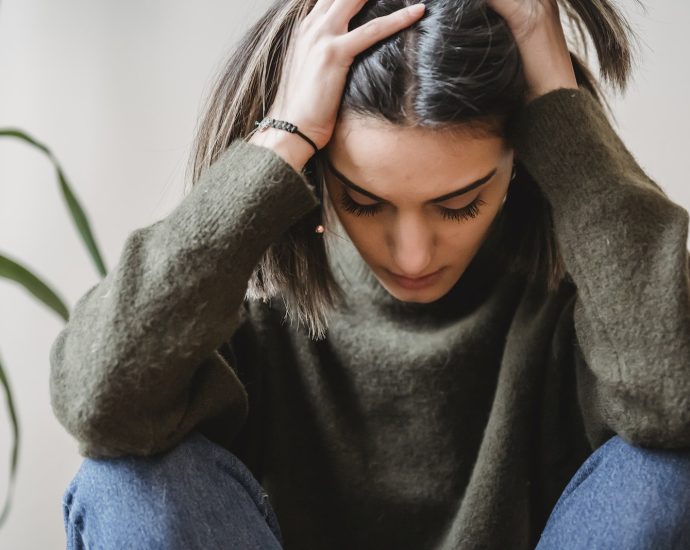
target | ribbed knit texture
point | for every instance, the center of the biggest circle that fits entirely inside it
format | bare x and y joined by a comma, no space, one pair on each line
449,425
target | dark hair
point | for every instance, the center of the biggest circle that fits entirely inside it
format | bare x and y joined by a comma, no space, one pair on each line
457,67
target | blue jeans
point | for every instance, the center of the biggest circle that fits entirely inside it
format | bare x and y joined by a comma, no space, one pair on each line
198,495
624,497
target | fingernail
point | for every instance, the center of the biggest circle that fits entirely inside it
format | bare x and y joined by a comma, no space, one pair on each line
416,9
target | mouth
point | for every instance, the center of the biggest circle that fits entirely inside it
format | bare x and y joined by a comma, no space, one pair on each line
417,282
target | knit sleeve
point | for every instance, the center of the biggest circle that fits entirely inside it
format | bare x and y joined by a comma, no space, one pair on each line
142,359
624,244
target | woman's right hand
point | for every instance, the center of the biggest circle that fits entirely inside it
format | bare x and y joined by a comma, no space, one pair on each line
319,57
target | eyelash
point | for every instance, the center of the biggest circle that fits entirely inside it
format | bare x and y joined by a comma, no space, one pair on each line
458,214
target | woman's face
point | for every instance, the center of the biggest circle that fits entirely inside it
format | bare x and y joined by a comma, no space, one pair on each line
398,219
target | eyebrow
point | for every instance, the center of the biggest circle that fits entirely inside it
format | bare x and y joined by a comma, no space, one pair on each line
461,191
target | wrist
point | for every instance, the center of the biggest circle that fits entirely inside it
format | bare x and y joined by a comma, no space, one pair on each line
291,147
546,61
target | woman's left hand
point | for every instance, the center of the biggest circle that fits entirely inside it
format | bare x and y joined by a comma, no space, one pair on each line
538,32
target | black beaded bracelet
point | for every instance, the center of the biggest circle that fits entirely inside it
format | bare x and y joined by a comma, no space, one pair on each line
283,125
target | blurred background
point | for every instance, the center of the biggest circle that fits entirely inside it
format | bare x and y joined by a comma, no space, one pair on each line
114,89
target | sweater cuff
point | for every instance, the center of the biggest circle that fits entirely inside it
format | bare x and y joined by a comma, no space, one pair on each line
248,194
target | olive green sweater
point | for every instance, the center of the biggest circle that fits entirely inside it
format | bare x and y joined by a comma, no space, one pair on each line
449,425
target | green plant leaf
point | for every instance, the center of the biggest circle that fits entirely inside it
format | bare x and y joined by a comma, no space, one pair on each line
12,270
78,216
9,269
4,382
81,222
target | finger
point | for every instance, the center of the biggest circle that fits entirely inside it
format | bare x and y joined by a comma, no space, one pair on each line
343,10
361,38
321,7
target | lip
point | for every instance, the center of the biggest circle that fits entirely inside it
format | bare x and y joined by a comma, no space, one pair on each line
419,282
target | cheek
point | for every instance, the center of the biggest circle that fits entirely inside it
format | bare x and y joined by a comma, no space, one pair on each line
459,245
473,229
361,230
464,239
365,232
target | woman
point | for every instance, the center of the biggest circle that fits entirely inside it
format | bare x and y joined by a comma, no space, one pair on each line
529,388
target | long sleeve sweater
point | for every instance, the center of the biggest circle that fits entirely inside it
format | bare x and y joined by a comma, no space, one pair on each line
449,425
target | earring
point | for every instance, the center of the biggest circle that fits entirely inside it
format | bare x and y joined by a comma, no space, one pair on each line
319,229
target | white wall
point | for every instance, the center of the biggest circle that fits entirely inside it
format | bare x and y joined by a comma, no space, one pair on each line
114,88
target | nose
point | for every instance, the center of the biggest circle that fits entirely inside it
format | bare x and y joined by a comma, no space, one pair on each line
411,242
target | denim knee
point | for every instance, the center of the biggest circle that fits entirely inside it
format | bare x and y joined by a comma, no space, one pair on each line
624,496
196,495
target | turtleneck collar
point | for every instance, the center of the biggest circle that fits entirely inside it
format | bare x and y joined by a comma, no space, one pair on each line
363,289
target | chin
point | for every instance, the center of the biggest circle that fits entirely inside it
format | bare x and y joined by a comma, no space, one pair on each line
416,300
418,296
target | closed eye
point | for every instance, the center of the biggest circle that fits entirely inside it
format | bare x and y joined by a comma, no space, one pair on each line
458,214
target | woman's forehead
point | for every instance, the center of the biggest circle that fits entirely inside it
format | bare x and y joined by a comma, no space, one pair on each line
358,140
368,151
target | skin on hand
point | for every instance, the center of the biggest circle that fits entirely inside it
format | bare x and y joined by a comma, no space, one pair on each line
316,65
540,37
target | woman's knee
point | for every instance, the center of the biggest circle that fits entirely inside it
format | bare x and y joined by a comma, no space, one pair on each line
197,495
633,496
